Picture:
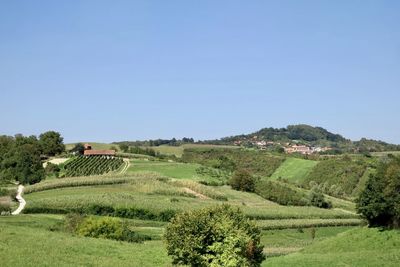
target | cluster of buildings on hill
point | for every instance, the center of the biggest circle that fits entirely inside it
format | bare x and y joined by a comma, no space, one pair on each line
288,147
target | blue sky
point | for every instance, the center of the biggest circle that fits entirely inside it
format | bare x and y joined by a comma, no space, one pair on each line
127,70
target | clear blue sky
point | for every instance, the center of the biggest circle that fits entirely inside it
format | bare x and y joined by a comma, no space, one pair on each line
127,70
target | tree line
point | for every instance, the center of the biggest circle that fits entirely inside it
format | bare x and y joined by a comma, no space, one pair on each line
21,156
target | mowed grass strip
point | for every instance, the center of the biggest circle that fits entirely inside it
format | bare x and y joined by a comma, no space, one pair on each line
294,169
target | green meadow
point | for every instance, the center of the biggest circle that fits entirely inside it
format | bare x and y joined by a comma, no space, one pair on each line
294,169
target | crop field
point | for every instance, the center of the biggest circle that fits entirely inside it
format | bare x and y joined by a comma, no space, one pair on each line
294,169
156,196
94,165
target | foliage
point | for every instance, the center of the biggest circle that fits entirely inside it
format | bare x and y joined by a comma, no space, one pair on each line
78,148
215,236
143,151
281,193
51,143
337,176
220,177
92,165
21,161
52,169
379,203
243,180
317,199
257,162
106,227
124,147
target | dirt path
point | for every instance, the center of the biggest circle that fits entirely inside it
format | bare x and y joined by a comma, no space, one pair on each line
190,191
127,161
20,199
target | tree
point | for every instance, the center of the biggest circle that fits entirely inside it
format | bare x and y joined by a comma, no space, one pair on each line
78,148
214,236
23,164
317,199
124,147
379,202
51,143
242,180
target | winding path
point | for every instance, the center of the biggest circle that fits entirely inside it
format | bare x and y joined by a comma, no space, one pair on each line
20,199
125,168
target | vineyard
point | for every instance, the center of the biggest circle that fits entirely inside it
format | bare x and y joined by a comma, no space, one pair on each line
94,165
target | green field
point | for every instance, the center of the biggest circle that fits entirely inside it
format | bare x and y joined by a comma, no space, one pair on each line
294,169
357,247
151,192
54,246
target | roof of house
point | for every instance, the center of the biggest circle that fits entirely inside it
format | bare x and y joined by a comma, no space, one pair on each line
99,152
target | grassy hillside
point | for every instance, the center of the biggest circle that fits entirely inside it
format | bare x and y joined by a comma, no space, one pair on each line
294,169
338,176
34,241
258,162
357,247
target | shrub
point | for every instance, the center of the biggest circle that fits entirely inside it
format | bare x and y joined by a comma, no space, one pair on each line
317,199
52,168
5,209
214,236
106,227
242,180
379,202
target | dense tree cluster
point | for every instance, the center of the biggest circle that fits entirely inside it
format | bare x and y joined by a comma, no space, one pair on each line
379,202
157,142
214,236
20,156
243,180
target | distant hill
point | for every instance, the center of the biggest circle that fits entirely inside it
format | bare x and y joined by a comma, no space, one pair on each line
307,135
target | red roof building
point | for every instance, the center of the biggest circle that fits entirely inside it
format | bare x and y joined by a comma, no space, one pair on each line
97,152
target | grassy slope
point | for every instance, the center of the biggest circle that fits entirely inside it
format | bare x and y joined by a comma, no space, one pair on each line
151,194
358,247
31,243
170,169
42,242
293,169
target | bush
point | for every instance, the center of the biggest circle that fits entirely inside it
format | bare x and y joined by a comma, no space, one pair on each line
52,168
243,180
106,227
317,199
5,209
214,236
379,202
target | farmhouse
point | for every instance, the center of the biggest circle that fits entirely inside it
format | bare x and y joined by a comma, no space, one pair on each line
97,152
